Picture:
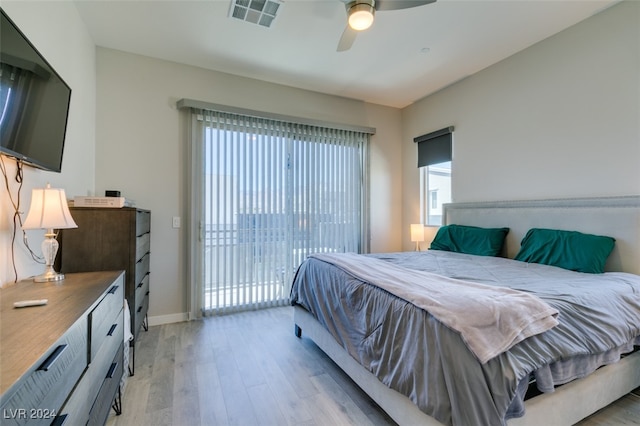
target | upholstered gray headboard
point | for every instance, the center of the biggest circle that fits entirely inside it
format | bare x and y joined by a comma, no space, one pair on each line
617,217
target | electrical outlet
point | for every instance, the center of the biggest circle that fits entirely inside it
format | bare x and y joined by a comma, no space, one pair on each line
176,222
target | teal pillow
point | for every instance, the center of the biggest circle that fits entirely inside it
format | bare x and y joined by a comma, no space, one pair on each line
566,249
470,240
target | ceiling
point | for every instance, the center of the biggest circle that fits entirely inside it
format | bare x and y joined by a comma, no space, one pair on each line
405,56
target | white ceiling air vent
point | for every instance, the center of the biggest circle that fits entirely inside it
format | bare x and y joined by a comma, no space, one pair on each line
261,12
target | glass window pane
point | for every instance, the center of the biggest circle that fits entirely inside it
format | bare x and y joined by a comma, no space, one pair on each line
438,191
273,193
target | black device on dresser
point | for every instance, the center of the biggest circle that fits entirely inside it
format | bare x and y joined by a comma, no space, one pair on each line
108,239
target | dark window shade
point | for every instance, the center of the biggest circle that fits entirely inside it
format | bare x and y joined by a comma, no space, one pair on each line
434,147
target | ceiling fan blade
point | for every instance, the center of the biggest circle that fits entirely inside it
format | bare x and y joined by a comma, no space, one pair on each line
400,4
347,39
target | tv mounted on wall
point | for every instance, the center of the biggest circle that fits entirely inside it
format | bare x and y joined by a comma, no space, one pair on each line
34,102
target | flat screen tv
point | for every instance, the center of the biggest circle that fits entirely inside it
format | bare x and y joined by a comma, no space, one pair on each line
34,102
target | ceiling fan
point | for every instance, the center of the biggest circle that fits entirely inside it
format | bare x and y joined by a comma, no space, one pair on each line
360,15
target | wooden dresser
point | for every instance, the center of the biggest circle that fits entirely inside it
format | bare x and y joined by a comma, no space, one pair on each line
62,362
111,239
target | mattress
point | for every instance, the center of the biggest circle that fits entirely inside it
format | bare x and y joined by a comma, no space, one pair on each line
411,351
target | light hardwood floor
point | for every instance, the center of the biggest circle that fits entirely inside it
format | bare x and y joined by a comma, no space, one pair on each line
248,369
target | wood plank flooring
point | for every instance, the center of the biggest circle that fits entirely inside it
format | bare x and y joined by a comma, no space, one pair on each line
248,369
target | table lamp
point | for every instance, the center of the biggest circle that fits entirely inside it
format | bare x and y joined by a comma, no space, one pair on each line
49,211
417,234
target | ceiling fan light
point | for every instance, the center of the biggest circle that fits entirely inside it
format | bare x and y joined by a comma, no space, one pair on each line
361,16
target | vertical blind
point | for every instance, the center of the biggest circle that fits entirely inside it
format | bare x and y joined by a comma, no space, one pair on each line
272,193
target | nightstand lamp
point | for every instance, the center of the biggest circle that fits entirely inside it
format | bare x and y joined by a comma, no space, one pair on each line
417,234
49,211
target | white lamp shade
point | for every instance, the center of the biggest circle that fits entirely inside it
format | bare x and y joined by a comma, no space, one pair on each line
48,210
417,232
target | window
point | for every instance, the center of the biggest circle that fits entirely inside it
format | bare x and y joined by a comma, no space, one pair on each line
435,184
271,193
434,161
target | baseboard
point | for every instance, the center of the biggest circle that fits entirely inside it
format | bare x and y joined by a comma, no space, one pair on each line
168,319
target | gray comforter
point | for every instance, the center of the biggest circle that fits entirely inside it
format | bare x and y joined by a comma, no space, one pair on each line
490,319
411,351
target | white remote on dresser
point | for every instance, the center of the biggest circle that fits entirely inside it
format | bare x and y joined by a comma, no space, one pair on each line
26,303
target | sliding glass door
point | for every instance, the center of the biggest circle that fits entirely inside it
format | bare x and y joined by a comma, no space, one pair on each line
272,193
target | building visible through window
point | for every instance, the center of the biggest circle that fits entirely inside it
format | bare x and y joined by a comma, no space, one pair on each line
435,184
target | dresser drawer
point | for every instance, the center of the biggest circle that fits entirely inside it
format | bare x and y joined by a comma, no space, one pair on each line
100,410
76,409
143,245
143,222
141,311
142,268
142,290
104,320
99,368
43,391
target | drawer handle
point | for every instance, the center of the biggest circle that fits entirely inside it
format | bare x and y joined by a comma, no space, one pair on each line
140,285
48,363
112,370
112,329
139,309
113,289
59,420
147,293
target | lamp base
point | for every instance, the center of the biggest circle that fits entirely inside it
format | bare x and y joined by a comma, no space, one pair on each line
49,251
49,275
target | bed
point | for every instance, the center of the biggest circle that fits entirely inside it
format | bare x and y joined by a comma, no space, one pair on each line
534,381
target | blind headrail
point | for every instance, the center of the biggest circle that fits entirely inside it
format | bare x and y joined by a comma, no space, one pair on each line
208,106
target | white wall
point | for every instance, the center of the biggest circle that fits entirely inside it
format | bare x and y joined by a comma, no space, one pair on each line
559,119
141,149
56,30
